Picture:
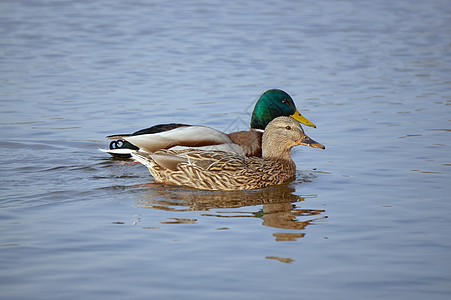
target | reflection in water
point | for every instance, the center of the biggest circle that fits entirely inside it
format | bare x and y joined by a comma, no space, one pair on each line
278,209
180,221
286,260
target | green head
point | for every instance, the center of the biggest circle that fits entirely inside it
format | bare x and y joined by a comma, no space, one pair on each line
272,104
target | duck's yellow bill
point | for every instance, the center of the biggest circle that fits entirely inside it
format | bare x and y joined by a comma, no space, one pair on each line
301,119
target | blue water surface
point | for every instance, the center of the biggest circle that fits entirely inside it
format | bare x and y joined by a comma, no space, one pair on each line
367,218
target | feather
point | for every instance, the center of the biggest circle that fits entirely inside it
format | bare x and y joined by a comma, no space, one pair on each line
187,136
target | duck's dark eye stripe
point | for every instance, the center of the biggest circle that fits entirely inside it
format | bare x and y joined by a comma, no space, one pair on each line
288,127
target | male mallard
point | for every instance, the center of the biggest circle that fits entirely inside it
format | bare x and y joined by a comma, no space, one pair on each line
219,170
271,104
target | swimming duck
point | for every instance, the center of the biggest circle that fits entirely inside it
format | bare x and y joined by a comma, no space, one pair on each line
219,170
271,104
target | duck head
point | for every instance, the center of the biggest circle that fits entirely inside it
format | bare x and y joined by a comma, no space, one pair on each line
282,134
272,104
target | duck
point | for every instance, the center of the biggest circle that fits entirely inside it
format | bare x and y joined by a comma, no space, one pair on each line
271,104
221,170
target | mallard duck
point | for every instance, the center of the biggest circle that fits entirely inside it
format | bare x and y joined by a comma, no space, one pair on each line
271,104
220,170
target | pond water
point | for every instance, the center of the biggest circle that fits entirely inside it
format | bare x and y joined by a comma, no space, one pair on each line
367,218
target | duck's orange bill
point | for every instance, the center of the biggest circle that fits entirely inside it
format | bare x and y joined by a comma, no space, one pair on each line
306,141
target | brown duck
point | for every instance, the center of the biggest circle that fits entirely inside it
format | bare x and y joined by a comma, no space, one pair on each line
220,170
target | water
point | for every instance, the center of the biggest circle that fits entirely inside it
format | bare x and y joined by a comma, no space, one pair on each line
366,218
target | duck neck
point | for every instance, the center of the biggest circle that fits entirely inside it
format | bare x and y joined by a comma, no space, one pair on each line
260,118
264,112
273,149
283,156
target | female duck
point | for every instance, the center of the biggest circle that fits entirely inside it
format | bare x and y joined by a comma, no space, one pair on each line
271,104
219,170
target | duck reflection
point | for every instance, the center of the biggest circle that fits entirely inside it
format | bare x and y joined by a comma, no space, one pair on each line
278,206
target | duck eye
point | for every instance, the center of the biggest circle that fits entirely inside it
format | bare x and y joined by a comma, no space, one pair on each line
284,101
288,127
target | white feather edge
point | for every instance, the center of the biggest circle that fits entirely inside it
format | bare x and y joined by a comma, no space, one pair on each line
117,151
167,161
141,159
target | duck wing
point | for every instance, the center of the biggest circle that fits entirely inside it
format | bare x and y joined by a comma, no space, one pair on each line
172,160
171,136
194,136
